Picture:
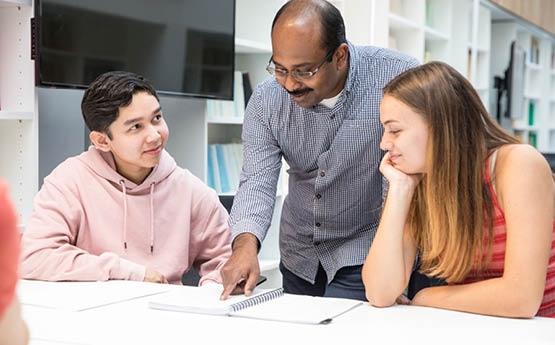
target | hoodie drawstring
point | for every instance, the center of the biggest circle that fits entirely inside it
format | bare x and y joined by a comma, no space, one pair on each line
152,217
122,183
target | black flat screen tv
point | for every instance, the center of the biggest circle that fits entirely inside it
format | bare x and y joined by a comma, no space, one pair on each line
184,47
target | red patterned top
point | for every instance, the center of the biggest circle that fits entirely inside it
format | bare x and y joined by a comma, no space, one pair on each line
496,266
9,250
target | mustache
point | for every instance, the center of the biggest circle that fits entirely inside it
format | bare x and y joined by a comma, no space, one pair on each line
299,91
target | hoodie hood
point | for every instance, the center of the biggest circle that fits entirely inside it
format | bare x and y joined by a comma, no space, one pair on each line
103,165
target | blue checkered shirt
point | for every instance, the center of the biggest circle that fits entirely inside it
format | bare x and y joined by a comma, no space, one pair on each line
332,210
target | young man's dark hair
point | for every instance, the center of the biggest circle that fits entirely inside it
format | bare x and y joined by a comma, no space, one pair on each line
109,92
333,27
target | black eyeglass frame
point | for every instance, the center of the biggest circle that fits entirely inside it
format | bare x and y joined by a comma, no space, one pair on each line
298,75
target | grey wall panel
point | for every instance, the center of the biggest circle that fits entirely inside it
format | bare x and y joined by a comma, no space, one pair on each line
61,127
187,140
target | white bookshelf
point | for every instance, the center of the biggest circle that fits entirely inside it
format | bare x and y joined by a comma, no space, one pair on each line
535,124
440,30
18,114
227,120
245,46
479,51
437,30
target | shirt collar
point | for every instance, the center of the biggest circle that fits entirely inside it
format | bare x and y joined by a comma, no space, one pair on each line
330,102
352,81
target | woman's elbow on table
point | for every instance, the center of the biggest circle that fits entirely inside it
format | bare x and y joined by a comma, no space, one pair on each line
378,299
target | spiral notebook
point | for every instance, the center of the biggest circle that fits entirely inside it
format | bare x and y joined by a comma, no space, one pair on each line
263,304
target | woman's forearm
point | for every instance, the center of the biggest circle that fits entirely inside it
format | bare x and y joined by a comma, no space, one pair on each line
385,269
496,296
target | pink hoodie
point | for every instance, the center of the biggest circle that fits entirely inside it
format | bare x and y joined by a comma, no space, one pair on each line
90,223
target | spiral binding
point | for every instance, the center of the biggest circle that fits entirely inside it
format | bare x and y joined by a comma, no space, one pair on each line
250,302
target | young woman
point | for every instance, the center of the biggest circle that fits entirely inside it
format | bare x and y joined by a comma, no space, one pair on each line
477,206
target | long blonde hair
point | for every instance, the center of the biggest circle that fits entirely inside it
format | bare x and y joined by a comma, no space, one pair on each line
452,205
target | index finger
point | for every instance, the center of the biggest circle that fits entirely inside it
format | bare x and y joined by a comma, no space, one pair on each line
229,286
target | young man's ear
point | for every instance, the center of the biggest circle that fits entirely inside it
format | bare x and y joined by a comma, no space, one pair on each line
100,140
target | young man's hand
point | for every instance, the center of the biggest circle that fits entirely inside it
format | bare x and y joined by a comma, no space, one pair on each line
241,271
152,276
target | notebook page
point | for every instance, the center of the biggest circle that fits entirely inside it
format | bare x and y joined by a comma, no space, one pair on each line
202,300
78,296
300,309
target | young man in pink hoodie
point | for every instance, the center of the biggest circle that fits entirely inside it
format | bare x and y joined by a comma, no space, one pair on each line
124,209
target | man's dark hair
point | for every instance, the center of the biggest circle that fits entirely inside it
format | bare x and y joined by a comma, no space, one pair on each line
109,92
331,21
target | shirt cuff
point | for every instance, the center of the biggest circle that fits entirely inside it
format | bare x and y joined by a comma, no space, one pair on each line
246,226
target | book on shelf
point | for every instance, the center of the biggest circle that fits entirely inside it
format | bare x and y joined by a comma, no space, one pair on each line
224,166
534,51
210,169
247,87
273,305
214,170
232,167
429,15
469,64
235,109
531,107
427,56
238,94
220,109
533,139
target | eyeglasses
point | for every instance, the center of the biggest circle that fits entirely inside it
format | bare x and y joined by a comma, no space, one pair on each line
299,75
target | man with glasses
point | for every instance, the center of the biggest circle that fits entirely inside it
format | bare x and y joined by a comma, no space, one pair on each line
320,112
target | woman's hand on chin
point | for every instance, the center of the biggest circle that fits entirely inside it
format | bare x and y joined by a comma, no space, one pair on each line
396,176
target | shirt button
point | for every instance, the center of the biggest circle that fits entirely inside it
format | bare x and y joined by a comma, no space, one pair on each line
322,173
318,196
316,243
332,116
317,225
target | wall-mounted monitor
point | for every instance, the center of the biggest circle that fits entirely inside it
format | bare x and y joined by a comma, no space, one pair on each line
510,88
515,82
184,47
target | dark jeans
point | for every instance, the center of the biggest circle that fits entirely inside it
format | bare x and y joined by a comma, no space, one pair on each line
347,283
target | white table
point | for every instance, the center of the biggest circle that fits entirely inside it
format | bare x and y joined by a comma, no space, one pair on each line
132,322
